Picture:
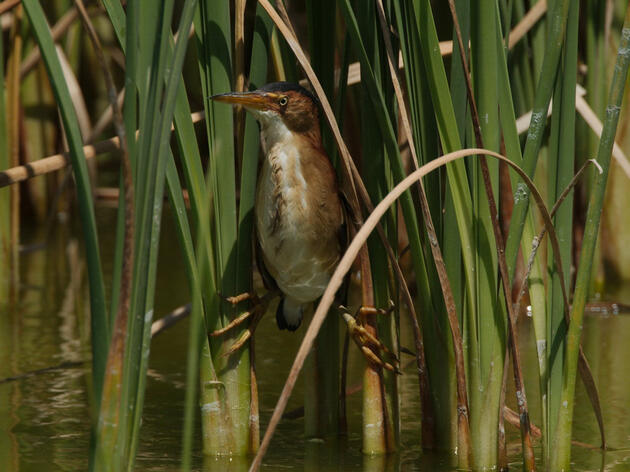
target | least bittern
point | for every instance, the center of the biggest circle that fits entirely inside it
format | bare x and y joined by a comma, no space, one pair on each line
299,212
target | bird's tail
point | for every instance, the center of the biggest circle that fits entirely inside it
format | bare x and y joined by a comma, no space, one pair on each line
289,314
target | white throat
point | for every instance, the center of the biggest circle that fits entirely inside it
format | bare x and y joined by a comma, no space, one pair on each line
272,129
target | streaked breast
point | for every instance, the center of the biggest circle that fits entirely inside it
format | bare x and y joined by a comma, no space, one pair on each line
298,216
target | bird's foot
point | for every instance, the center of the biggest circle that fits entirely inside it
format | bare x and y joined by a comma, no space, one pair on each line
235,300
241,297
364,311
370,345
254,315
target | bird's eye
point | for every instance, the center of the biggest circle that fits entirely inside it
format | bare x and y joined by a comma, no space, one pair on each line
283,101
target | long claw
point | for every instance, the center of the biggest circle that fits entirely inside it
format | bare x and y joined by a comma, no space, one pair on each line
235,322
241,297
371,357
377,361
363,337
364,311
370,345
254,315
238,343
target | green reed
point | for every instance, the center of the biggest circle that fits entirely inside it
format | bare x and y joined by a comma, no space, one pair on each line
463,409
561,453
5,194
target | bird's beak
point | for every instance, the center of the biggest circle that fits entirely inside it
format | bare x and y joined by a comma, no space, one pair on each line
254,100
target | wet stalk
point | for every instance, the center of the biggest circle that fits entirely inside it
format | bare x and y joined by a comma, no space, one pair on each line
560,458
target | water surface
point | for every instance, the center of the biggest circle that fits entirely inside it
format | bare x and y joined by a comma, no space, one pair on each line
44,418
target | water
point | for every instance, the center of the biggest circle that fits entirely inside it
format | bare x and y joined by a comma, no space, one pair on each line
44,418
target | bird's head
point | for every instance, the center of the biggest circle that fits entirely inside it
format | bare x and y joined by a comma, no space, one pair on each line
279,103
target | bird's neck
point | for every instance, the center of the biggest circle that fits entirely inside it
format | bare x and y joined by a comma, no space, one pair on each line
288,169
274,132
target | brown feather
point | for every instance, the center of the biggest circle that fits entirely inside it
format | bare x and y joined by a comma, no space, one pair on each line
298,211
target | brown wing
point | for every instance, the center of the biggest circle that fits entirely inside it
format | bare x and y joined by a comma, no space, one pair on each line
348,218
268,281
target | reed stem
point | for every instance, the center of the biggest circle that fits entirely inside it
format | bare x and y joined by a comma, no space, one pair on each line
561,455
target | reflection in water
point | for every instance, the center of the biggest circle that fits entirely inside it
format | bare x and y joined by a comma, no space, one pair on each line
228,464
44,419
9,393
382,463
607,348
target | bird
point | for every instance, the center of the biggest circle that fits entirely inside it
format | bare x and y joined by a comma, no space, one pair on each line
299,214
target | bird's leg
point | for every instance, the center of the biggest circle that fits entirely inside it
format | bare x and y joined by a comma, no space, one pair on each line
241,297
232,324
255,314
369,345
361,316
365,311
235,300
